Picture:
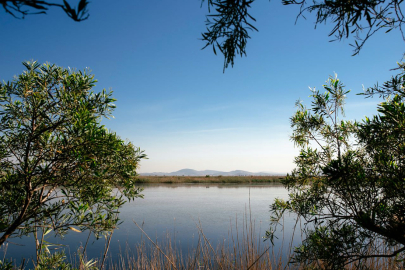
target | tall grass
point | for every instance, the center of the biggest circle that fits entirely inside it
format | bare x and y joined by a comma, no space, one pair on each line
210,179
242,249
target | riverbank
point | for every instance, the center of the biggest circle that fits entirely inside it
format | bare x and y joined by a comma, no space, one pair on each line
209,179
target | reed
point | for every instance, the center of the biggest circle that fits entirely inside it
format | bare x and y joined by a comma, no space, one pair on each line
242,249
210,179
241,253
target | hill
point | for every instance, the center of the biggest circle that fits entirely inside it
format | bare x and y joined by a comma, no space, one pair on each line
191,172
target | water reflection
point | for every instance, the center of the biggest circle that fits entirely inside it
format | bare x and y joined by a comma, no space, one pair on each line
177,210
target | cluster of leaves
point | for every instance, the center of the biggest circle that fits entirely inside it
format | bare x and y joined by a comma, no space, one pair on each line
354,17
58,165
21,8
349,181
6,265
228,30
57,260
53,261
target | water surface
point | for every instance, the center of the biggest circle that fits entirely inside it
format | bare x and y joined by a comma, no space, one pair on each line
179,210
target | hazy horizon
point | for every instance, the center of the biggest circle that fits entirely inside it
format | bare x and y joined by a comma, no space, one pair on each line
214,170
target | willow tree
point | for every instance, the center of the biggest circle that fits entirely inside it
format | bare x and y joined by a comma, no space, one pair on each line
349,181
22,8
59,166
229,23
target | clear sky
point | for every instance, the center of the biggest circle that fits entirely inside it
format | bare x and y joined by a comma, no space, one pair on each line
174,101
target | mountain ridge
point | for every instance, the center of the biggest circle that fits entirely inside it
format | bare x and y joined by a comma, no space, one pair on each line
191,172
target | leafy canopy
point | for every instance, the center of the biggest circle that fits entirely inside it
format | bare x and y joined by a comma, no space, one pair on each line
349,181
229,25
21,8
227,28
58,165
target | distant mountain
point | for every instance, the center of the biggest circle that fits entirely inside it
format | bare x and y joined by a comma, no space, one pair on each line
191,172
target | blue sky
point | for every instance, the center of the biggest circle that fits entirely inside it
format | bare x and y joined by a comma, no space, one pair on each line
174,101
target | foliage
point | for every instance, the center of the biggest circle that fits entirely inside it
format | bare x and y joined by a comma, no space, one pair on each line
58,165
57,260
229,26
53,261
230,23
349,181
354,17
6,265
21,8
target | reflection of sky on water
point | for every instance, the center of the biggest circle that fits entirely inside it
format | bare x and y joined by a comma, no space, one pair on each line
178,210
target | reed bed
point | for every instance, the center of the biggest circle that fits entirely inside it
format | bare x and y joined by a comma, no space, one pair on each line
209,179
241,250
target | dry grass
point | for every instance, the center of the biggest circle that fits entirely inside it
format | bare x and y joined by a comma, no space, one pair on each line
241,251
210,179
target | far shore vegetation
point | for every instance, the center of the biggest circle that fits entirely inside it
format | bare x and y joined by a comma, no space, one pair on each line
209,179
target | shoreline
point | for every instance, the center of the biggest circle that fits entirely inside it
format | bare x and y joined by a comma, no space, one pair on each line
209,179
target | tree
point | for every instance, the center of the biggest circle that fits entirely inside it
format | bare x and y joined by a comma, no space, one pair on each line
59,166
21,8
227,29
348,184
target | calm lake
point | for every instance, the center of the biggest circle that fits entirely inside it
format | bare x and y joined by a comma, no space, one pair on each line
178,211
